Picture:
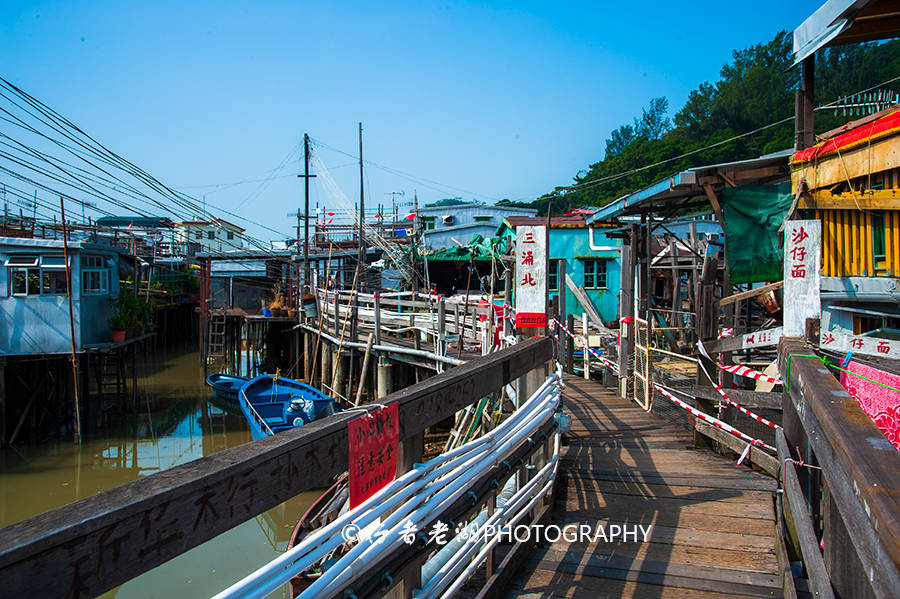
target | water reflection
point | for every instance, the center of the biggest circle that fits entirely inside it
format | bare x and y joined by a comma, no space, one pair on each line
175,421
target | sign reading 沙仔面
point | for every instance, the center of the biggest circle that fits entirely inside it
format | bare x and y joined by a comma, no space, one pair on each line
802,258
531,276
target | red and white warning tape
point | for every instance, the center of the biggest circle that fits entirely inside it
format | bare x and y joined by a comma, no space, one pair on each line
728,400
749,373
611,365
741,370
712,420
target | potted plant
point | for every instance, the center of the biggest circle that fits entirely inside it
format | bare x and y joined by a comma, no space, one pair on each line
131,315
118,323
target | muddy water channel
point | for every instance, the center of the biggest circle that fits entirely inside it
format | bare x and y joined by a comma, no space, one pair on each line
175,421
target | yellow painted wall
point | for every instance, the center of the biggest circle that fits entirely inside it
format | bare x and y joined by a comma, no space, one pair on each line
847,244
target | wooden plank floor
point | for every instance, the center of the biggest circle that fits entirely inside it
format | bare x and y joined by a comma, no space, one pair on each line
713,521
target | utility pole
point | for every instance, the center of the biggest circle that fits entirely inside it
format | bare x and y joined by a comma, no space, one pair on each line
361,261
393,195
415,233
305,177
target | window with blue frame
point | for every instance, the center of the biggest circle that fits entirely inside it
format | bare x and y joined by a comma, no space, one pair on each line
595,274
553,275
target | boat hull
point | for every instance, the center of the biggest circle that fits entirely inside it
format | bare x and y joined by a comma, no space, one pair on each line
274,404
226,387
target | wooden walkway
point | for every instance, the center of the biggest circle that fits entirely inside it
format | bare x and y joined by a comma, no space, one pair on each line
713,521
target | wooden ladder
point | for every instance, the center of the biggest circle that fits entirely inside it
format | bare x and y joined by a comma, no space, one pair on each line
216,341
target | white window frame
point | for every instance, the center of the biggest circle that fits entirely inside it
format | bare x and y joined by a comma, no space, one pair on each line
23,263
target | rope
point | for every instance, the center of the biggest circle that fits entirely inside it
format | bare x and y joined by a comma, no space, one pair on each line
827,362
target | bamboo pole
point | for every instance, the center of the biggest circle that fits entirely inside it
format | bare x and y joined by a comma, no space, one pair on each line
365,369
344,327
77,432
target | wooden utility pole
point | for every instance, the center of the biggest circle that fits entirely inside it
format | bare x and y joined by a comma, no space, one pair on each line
62,210
361,262
804,111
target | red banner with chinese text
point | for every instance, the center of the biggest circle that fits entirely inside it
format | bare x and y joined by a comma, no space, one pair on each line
880,403
374,439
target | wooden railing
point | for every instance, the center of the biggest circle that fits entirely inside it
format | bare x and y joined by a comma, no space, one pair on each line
840,508
98,543
438,318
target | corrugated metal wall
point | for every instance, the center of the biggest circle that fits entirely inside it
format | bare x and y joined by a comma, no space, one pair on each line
847,243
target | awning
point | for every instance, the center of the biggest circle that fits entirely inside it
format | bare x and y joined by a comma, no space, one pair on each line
845,21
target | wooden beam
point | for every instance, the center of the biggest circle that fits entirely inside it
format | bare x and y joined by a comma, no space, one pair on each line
802,522
881,154
861,468
95,544
748,399
714,201
878,199
736,444
752,293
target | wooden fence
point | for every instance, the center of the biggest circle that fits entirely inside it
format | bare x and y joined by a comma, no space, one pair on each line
840,507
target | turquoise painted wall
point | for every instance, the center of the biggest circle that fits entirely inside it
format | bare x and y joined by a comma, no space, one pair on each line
573,245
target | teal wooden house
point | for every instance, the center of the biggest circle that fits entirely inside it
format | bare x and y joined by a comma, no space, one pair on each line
592,261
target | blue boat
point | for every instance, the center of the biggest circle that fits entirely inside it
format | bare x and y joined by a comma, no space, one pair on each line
226,387
273,404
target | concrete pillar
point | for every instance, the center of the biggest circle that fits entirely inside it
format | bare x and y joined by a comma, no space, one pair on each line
384,377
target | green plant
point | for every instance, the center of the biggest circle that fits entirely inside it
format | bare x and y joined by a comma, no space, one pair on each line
130,311
117,322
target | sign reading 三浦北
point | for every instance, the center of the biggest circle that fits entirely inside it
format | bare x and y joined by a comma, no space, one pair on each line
374,440
802,257
531,276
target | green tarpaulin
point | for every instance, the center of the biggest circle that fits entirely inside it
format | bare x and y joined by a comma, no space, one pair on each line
479,249
752,217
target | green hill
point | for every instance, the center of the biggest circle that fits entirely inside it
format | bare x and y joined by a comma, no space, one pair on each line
753,92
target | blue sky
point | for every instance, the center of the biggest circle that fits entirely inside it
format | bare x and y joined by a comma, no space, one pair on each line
495,100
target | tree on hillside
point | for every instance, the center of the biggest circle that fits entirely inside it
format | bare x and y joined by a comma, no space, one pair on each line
754,91
654,122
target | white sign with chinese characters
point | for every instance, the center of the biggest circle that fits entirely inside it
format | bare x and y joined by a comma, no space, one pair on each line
802,258
531,276
859,344
764,338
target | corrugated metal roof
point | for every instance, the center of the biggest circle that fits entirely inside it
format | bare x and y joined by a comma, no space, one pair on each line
845,21
685,184
574,221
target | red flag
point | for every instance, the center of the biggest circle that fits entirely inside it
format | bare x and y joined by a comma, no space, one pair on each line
411,216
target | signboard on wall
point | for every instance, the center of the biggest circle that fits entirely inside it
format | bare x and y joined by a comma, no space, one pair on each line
531,276
802,260
374,442
859,344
